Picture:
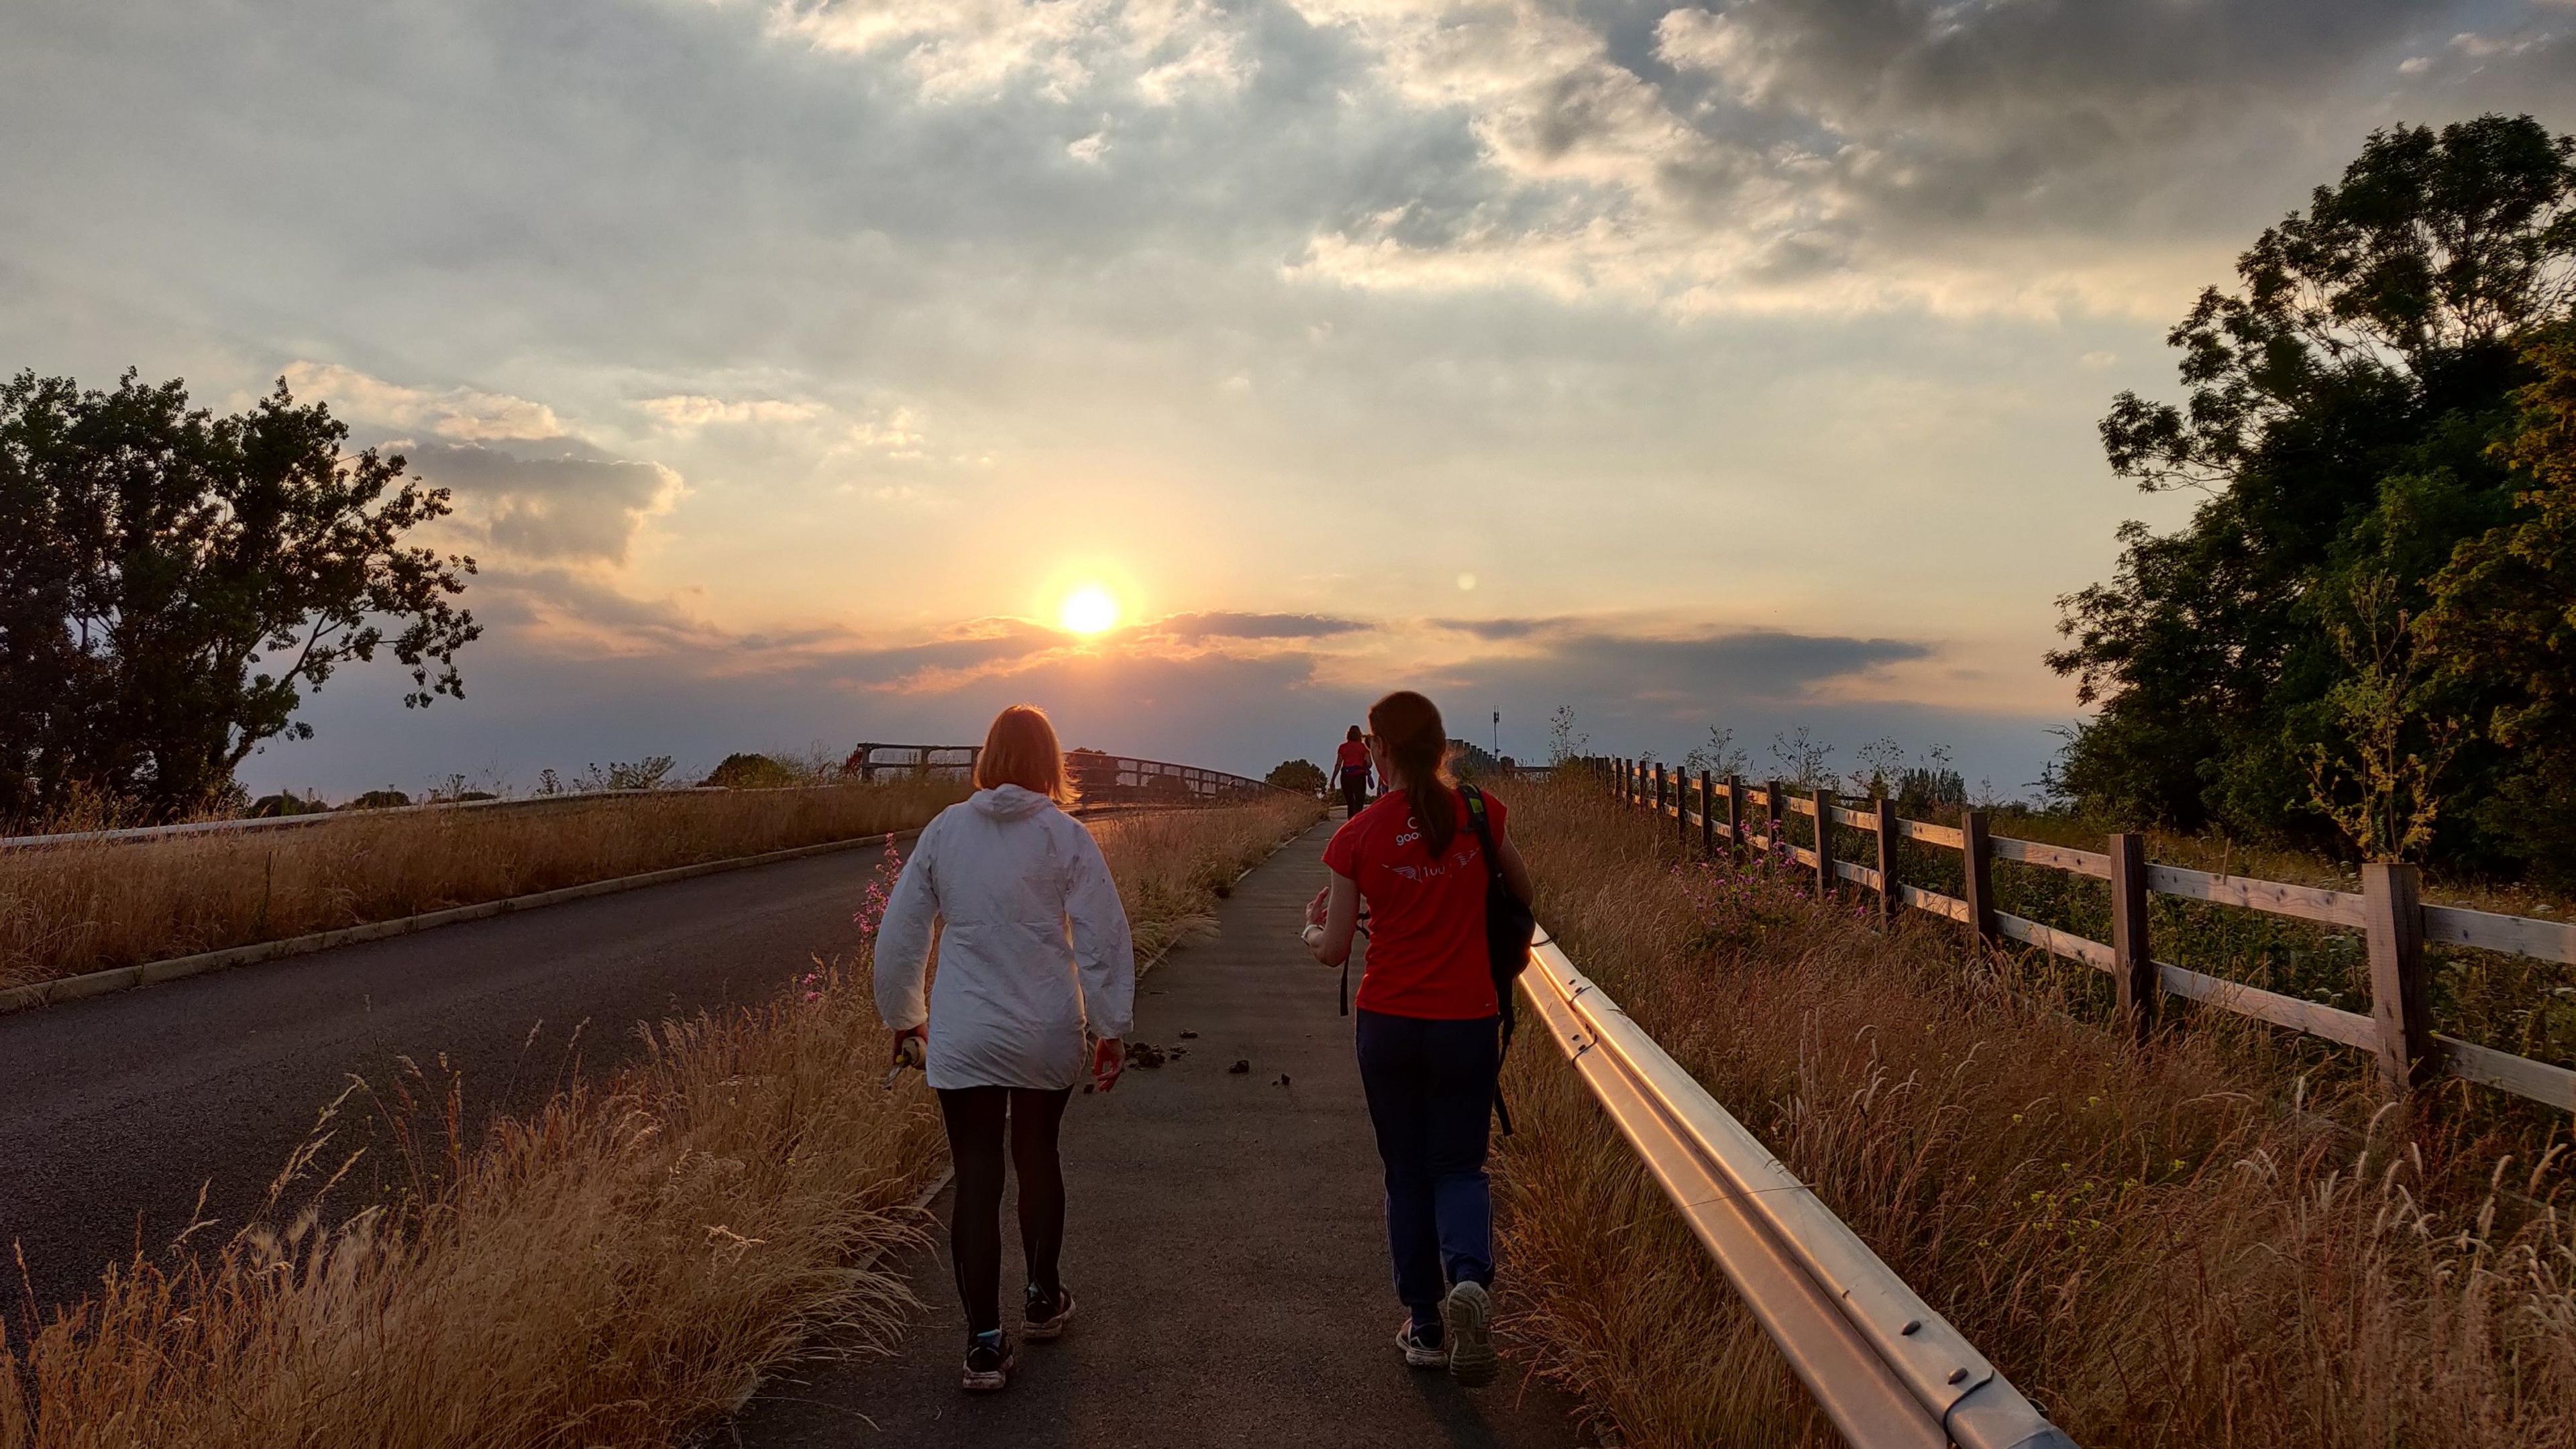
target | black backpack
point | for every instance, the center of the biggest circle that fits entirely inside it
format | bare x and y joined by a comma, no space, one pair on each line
1509,929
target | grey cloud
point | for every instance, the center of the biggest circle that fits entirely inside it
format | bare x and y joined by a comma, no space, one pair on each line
1230,625
873,665
1765,665
1501,628
700,699
572,506
509,599
2055,111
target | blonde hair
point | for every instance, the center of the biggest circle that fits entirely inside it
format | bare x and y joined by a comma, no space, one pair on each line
1021,749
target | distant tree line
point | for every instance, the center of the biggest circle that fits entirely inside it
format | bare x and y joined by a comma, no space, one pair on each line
2365,637
172,584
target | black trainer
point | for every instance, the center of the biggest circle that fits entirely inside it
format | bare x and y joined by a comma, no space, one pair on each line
989,1361
1047,1315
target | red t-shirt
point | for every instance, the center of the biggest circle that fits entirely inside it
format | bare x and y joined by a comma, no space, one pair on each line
1426,946
1352,756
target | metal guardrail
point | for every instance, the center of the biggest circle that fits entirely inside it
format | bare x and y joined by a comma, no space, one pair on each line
1882,1365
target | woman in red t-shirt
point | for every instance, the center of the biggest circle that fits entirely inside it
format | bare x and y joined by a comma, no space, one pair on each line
1351,772
1429,1046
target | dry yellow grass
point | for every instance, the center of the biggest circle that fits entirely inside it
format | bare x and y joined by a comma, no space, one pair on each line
619,1268
88,908
2146,1239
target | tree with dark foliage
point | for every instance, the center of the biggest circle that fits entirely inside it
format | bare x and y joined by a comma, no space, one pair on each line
172,583
2341,413
2503,620
1305,777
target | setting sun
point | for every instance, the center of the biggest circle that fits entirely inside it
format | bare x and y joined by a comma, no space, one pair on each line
1088,610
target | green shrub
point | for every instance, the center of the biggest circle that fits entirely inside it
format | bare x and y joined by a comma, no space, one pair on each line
741,771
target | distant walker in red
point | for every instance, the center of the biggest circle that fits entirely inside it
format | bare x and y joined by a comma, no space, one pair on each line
1351,772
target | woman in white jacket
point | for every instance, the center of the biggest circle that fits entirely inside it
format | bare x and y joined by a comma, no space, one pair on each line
1033,951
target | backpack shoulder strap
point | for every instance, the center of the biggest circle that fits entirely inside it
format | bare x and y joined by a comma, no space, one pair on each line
1484,827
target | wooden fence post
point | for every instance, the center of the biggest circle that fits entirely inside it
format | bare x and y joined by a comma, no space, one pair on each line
2401,981
1977,876
1735,816
1771,816
1681,809
1824,801
1707,816
1886,861
2133,964
1659,792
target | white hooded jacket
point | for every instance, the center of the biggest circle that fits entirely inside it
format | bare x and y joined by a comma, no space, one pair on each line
1034,944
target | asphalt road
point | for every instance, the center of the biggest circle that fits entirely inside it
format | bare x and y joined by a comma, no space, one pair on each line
1226,1247
115,1110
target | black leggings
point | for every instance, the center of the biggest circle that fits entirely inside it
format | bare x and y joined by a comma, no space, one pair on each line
974,1116
1354,792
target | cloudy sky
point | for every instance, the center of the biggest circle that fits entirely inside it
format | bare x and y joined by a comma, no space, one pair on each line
793,360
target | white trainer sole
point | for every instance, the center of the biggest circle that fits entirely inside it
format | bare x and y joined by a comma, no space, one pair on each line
1468,1314
1052,1327
994,1380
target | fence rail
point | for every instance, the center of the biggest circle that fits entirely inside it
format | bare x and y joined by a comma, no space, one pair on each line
2396,924
1881,1364
1103,779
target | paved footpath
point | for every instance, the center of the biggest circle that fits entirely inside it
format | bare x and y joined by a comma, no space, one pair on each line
1226,1246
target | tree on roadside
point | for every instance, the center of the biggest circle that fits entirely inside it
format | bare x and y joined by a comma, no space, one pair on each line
173,583
649,773
1303,776
1564,741
2504,617
2340,406
746,771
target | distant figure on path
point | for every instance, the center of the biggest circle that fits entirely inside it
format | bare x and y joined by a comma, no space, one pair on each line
1351,772
1428,1024
1035,952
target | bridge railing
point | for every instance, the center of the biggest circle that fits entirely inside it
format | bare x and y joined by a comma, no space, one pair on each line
1101,777
2396,925
1889,1372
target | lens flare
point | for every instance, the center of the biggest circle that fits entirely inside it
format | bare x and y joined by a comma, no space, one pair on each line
1088,610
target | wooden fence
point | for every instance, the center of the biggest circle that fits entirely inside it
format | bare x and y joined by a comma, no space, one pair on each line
2395,923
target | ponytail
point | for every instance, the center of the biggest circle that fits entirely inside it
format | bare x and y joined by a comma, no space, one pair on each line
1418,745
